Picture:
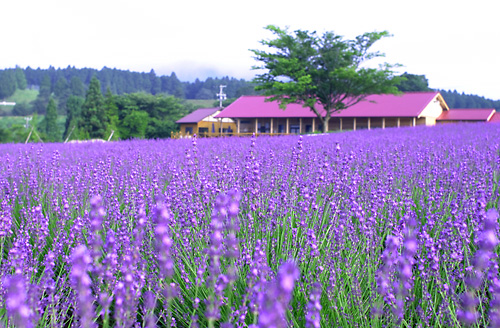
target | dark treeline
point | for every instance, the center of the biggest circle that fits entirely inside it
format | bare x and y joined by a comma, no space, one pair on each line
461,100
121,82
454,99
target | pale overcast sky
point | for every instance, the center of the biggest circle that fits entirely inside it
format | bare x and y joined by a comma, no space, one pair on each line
455,44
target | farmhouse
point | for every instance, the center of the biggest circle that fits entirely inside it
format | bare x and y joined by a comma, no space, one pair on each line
253,114
202,122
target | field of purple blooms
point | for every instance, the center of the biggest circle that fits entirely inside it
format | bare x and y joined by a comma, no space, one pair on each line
380,228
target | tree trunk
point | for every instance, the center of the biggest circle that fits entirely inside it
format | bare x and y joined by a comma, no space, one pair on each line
326,119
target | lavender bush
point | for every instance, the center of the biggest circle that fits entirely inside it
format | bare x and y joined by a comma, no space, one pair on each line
381,228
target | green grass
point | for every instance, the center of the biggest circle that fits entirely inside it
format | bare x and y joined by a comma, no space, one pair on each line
23,96
8,121
20,96
201,103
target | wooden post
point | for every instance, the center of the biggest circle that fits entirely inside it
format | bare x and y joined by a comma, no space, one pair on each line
271,126
238,126
287,131
354,124
341,124
369,123
300,125
313,124
383,122
256,125
399,122
414,121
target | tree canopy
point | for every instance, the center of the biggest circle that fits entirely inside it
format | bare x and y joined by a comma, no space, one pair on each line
93,115
303,67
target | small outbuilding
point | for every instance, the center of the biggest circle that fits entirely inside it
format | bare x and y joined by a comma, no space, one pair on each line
202,122
471,115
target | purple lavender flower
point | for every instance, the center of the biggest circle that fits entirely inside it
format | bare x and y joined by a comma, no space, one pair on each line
16,300
81,261
274,302
313,316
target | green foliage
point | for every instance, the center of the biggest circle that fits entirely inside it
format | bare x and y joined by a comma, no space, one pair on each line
22,109
12,129
77,87
62,92
74,107
412,82
112,113
134,125
94,120
42,100
303,67
7,83
51,128
26,96
20,78
462,100
162,112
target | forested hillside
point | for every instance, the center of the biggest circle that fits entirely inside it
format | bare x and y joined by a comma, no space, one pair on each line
120,82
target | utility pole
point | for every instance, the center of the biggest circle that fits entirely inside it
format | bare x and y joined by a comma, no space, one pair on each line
28,119
222,96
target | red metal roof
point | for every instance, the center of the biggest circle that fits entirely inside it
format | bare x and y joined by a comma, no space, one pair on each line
198,115
495,118
467,114
409,104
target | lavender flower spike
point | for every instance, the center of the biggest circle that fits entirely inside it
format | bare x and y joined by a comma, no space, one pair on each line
16,301
81,284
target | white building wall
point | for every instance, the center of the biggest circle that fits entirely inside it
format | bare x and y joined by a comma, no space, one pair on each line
432,111
211,118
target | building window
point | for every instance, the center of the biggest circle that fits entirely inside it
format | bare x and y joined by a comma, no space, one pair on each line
263,128
203,131
281,128
189,129
294,128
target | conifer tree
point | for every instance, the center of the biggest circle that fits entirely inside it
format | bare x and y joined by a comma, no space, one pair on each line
94,120
51,128
74,107
20,78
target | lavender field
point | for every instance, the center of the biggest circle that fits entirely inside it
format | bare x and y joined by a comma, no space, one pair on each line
381,228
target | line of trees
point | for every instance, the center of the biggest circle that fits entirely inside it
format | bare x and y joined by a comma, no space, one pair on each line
454,99
119,82
98,116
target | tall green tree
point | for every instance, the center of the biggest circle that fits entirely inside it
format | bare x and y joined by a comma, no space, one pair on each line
77,87
412,82
94,120
7,83
62,91
74,108
50,124
112,113
20,78
42,100
303,67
